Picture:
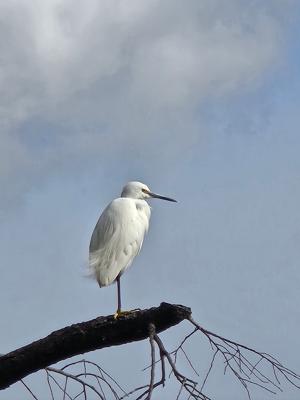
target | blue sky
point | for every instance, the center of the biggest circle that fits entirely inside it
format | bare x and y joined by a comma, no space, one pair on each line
200,102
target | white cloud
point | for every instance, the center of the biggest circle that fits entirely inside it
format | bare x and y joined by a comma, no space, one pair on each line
166,52
119,66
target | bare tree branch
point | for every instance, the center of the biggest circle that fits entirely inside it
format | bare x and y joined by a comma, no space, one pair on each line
249,366
87,336
238,359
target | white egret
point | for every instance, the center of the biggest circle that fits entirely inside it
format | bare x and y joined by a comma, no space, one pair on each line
119,233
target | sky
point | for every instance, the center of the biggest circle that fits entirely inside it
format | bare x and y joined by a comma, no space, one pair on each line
200,101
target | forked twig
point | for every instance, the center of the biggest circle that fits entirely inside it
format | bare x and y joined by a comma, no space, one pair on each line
237,358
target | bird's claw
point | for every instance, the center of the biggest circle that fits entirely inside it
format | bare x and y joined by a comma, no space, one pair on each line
120,313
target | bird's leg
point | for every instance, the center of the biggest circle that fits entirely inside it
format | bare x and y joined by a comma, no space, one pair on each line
119,294
120,313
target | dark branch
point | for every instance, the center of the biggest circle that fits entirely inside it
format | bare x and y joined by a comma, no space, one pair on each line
87,336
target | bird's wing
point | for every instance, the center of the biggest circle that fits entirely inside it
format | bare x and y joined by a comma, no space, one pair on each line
116,240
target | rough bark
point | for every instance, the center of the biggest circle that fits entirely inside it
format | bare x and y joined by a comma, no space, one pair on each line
87,336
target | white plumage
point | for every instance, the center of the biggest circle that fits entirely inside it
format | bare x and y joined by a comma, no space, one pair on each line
117,238
119,233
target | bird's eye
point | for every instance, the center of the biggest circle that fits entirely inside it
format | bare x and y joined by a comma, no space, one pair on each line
144,190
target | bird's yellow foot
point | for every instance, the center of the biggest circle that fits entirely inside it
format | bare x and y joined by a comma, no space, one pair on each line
120,313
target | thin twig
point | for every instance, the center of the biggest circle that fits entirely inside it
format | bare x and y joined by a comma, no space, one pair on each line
49,385
236,359
152,344
73,377
29,390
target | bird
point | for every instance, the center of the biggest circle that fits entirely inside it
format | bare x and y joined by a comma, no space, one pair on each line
119,234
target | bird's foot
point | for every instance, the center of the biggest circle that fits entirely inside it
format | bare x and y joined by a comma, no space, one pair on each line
120,313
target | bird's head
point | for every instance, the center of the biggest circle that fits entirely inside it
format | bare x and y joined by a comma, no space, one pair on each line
138,190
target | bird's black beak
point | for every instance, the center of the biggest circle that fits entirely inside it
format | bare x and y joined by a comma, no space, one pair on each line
158,196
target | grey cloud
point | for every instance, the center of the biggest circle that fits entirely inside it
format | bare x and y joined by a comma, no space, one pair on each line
104,71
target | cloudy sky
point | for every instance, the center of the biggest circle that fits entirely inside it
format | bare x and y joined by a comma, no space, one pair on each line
198,99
